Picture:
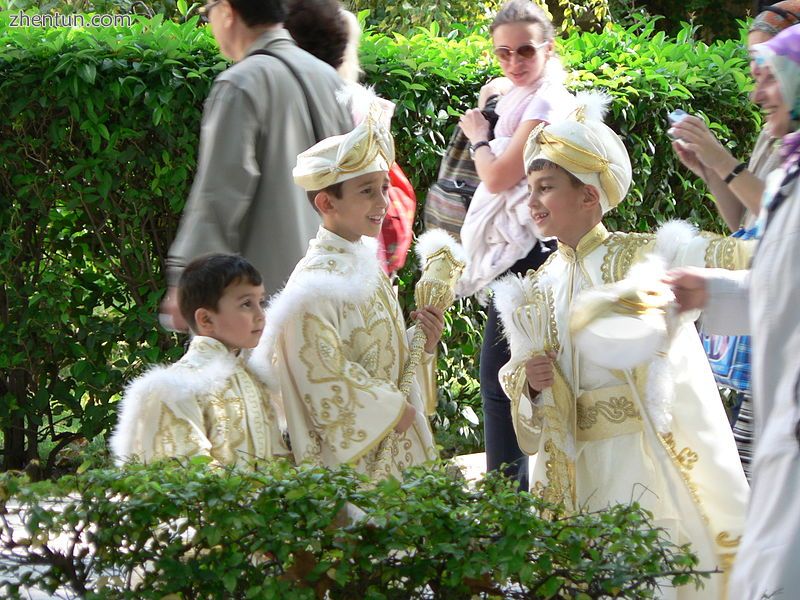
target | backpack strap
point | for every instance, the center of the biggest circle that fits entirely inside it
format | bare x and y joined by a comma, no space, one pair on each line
312,109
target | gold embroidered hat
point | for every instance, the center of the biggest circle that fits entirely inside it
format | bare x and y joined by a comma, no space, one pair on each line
367,149
586,147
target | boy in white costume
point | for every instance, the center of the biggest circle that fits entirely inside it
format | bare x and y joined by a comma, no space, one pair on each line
603,437
337,329
209,403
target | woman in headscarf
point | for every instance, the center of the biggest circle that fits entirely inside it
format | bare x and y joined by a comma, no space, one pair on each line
737,193
766,564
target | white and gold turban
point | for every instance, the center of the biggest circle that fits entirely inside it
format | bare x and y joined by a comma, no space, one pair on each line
586,147
367,149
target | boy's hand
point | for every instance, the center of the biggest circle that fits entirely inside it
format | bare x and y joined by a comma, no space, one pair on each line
689,286
431,319
409,414
539,371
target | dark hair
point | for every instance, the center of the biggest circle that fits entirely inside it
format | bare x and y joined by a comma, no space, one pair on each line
335,190
204,281
319,27
260,12
523,11
541,164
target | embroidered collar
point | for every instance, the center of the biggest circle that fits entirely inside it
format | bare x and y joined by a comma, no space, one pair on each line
588,244
203,349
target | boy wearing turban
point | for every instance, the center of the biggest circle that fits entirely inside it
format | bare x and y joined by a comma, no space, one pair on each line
656,433
337,331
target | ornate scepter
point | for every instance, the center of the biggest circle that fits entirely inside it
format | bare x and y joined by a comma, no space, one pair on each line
525,310
443,261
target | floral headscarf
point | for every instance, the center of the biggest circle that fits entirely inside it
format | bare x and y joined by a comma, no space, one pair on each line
781,55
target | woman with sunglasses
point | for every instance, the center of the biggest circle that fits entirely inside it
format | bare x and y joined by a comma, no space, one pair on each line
737,189
498,233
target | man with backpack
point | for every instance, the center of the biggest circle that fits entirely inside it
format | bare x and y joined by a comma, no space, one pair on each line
275,102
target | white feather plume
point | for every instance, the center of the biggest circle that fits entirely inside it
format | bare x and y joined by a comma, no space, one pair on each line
672,237
509,293
434,239
595,104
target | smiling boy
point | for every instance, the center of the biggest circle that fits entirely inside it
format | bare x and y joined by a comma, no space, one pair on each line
208,403
658,436
337,329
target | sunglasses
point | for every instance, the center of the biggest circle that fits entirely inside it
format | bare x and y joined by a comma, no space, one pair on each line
205,10
526,51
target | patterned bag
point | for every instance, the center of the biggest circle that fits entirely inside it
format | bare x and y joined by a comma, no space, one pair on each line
729,355
448,198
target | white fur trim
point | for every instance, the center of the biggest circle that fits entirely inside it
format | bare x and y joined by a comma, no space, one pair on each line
434,239
177,386
355,279
673,237
595,104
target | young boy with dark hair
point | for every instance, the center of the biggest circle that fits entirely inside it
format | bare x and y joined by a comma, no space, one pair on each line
209,402
605,433
337,329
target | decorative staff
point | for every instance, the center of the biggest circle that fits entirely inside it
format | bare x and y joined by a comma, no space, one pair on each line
443,260
525,312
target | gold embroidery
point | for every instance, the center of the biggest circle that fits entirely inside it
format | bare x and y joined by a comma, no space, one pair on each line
560,472
720,251
685,461
174,437
623,250
224,417
686,458
616,410
587,244
724,540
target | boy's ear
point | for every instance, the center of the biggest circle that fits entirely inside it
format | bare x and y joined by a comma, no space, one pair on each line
204,321
591,197
323,202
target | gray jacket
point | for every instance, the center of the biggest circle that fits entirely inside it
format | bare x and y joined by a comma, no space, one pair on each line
255,123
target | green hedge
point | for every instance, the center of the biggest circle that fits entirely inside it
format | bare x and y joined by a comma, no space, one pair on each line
97,153
188,531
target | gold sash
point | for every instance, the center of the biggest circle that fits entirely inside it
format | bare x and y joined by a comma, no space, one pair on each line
606,413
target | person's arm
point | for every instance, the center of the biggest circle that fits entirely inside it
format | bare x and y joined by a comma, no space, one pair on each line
722,295
700,151
498,173
228,173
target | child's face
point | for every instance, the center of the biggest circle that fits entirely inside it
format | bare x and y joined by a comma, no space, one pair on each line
361,208
557,206
239,318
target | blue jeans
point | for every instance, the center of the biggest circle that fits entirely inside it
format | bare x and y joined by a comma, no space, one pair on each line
498,429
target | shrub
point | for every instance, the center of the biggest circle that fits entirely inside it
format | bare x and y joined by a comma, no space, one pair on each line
97,157
188,531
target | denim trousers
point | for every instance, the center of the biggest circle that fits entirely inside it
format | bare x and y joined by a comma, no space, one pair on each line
498,429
